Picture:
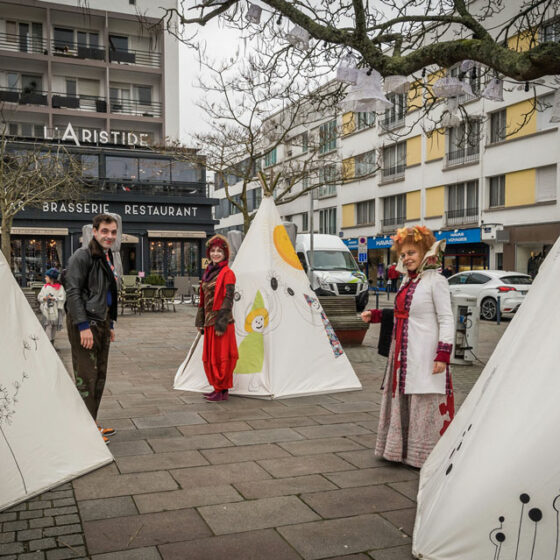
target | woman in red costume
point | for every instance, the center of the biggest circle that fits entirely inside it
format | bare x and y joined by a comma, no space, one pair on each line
215,319
417,404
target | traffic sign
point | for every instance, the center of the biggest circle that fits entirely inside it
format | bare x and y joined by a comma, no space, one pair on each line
362,257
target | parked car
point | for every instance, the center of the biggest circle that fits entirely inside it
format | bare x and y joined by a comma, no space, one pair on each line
487,285
335,272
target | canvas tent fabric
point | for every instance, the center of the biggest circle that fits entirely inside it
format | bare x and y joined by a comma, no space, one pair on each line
491,486
287,346
47,436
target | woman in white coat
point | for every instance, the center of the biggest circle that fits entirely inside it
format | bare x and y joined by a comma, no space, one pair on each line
417,403
51,302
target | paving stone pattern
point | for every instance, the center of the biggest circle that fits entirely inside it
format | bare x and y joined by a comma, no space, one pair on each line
243,479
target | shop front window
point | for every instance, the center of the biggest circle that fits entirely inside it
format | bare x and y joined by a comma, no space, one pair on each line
191,258
34,260
157,257
173,258
17,260
54,253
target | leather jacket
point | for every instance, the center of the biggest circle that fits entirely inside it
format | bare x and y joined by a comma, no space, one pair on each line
87,281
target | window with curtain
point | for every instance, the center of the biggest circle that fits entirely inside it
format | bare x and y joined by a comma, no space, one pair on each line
497,191
327,137
365,212
546,183
498,126
364,163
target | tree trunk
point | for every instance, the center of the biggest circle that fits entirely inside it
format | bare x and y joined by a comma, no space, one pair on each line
6,239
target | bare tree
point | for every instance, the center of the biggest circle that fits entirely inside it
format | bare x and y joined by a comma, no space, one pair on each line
254,109
30,175
402,37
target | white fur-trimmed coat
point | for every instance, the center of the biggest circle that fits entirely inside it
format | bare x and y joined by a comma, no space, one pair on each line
430,321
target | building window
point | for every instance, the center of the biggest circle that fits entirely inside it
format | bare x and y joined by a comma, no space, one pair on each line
546,183
365,212
90,165
364,164
327,137
551,32
497,191
498,126
63,39
327,180
153,169
270,158
185,172
327,221
394,160
121,168
394,116
464,143
394,211
462,203
365,119
143,94
472,77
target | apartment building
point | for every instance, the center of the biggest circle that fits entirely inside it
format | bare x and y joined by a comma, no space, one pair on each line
487,183
102,78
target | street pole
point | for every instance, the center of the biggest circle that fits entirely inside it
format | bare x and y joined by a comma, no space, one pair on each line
311,228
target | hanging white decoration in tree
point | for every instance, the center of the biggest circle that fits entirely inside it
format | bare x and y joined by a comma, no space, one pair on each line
298,37
449,120
494,90
451,87
555,117
253,13
367,95
346,71
396,84
467,65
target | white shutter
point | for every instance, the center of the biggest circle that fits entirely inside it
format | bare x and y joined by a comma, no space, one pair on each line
546,183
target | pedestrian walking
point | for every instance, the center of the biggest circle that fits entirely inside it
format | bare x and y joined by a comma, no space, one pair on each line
214,320
393,276
418,403
91,287
51,303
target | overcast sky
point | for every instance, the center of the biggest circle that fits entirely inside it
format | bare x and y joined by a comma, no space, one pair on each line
220,42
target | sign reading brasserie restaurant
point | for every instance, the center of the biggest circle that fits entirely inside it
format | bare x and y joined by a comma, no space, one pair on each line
173,210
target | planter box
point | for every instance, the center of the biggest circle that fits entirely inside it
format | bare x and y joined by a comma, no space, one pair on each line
33,99
9,96
91,53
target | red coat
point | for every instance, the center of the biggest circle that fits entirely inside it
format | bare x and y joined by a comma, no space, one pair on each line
219,353
393,273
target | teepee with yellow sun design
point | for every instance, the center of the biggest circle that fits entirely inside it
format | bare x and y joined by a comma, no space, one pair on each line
287,347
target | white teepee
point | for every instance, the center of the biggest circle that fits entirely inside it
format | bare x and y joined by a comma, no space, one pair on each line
47,436
287,346
491,486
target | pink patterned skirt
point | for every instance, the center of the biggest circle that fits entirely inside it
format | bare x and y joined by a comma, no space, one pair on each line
409,425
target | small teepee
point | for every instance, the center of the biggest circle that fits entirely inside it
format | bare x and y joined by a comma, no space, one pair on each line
287,346
491,486
47,435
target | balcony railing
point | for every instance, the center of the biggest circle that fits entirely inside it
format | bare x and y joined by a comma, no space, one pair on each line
81,102
394,172
168,188
119,56
132,56
468,154
139,108
391,123
461,216
390,224
23,43
23,96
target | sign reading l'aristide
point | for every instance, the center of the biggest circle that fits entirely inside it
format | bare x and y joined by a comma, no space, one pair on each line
91,136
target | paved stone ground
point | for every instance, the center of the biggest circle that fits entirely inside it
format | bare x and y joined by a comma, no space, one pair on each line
243,479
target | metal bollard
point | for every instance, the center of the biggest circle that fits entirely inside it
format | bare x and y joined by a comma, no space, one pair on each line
499,311
376,299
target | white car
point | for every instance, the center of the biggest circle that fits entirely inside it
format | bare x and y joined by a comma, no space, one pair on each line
487,285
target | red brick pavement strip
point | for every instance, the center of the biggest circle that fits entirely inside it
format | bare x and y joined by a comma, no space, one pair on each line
241,479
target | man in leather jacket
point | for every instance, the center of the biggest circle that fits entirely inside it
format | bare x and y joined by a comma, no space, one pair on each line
91,307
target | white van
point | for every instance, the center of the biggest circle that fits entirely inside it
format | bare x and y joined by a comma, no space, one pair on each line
335,271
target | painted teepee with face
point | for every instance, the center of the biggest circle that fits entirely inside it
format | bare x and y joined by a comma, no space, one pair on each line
47,435
491,487
286,344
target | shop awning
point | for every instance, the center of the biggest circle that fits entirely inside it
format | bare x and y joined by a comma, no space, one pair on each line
127,238
55,232
176,234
